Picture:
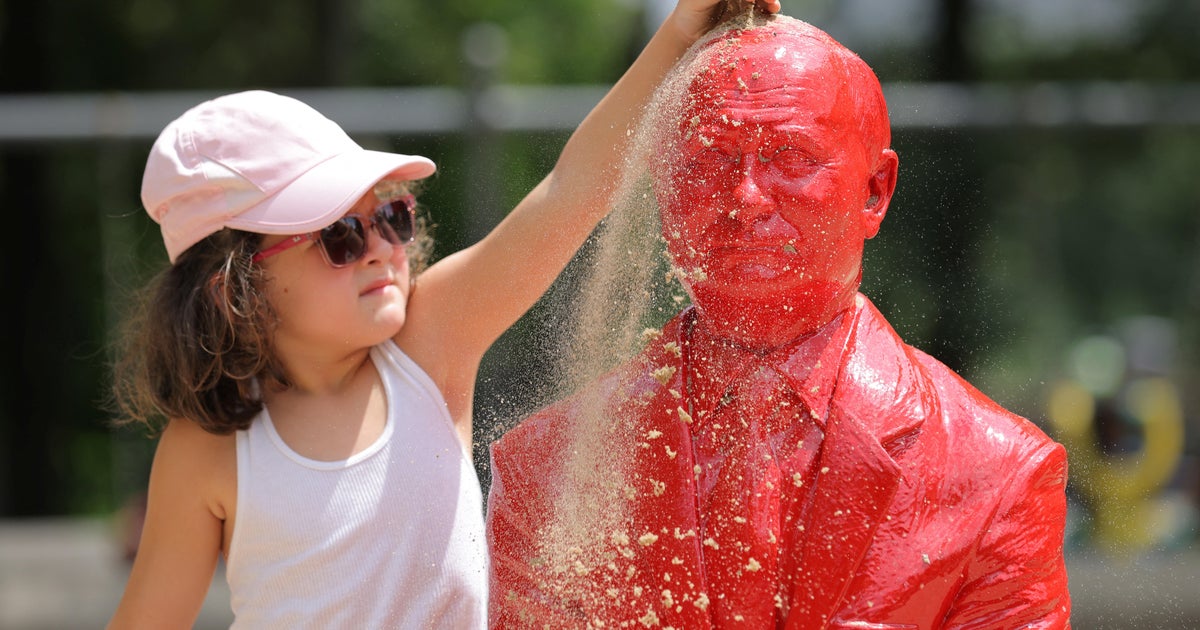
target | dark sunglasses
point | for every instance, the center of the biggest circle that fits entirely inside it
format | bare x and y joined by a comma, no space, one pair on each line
345,241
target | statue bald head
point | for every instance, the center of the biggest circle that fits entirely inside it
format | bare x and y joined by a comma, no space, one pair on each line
771,169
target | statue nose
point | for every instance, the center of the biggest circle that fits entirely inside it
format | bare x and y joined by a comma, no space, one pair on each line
752,203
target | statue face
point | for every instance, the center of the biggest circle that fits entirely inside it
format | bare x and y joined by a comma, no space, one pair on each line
765,191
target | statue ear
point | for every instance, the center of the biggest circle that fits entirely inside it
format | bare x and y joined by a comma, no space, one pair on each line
880,186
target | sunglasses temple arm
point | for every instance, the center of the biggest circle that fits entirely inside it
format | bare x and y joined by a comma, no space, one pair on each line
281,246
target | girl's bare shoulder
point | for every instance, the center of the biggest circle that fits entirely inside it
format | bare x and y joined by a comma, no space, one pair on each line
191,439
190,458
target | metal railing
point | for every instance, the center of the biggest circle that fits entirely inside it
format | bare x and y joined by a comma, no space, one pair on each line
510,108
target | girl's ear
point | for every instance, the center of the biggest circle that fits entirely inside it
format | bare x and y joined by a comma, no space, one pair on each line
880,186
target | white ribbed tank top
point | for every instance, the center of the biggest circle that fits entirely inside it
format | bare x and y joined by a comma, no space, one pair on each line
392,537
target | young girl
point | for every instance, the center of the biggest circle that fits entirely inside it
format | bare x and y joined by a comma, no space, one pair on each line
318,391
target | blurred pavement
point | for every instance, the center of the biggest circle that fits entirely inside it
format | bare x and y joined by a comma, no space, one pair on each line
60,574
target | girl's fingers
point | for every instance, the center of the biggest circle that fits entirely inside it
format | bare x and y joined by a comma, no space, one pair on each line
771,6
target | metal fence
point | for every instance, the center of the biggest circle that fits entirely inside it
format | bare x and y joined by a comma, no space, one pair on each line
511,108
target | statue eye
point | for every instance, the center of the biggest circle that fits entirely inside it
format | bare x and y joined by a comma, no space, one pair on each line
791,159
709,159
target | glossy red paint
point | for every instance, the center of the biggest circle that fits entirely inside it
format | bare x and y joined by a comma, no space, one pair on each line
778,457
775,175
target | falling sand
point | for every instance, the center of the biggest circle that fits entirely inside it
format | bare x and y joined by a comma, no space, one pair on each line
629,292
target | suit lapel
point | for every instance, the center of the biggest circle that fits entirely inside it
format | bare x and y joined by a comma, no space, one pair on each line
855,483
661,562
877,404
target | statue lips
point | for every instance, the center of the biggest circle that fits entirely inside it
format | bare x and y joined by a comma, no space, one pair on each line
747,245
735,264
761,250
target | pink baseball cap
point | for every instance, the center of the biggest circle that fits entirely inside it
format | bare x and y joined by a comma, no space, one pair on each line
260,162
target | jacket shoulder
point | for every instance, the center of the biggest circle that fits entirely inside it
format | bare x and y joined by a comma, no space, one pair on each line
623,392
962,402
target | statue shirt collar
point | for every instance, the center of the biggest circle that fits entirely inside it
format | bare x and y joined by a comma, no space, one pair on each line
713,367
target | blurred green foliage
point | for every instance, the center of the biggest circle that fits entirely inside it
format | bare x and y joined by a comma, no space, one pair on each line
1001,248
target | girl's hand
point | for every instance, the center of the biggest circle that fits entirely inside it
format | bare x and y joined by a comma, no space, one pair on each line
693,18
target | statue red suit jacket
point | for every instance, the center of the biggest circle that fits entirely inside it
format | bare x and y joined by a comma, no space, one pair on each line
919,504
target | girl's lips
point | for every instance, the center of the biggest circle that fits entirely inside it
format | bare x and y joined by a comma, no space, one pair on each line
378,285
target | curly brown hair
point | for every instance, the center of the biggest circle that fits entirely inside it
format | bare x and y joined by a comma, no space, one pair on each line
198,342
197,339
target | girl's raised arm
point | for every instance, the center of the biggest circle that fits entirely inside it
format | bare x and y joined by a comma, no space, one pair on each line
463,303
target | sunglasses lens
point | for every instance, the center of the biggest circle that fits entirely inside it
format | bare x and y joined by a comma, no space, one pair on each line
345,241
395,220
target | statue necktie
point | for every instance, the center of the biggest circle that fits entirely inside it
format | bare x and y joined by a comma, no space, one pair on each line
743,447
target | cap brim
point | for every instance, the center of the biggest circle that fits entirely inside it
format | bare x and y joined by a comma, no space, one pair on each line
325,192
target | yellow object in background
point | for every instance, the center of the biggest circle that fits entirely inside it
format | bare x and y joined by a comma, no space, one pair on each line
1123,487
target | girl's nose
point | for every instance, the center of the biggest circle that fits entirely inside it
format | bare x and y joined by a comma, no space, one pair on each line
378,248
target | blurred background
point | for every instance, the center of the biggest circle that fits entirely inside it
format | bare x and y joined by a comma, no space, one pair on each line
1044,242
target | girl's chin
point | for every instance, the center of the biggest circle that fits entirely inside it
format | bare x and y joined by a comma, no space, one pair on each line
389,322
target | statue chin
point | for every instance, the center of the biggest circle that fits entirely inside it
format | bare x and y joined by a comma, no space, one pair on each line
768,320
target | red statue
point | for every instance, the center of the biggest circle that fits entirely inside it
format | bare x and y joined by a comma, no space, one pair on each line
786,460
